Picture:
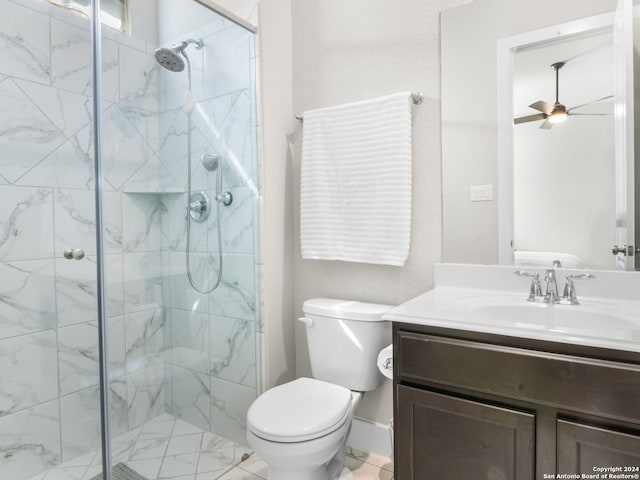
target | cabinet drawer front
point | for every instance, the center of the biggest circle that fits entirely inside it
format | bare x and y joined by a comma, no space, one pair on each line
592,386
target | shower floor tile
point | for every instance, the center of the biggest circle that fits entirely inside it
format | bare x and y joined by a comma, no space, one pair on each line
164,448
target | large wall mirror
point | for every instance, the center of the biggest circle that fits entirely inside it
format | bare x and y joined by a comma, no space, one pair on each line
519,188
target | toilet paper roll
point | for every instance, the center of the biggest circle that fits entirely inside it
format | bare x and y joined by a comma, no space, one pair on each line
385,361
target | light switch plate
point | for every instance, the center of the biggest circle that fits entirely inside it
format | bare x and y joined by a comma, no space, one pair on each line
481,193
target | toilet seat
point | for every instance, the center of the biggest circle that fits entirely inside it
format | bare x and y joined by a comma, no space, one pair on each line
301,410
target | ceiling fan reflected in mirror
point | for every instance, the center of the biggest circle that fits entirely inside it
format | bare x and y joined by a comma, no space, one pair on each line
557,112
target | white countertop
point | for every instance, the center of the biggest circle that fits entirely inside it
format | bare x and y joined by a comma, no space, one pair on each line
597,321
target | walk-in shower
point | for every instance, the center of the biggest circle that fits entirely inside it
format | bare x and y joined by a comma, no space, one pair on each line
168,398
199,205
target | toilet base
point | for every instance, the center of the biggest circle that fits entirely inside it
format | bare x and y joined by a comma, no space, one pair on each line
331,471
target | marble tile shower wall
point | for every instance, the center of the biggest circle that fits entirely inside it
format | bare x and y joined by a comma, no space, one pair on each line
212,339
169,348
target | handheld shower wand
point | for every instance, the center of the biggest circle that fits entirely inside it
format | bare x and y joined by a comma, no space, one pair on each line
175,59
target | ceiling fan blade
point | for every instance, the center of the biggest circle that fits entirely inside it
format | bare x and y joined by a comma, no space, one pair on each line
590,114
591,102
530,118
543,106
547,125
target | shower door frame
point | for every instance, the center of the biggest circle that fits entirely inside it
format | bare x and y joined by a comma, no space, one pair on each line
103,361
228,14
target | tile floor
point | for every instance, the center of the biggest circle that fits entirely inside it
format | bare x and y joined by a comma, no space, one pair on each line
163,448
167,448
360,466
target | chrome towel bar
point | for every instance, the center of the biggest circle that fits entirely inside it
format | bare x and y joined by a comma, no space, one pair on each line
416,97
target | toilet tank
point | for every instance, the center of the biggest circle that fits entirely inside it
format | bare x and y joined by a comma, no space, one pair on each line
344,339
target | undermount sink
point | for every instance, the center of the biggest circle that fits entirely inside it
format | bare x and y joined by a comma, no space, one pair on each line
596,320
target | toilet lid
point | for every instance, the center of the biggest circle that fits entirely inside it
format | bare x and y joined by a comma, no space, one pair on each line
300,410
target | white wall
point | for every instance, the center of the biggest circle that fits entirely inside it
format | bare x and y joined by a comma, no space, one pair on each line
276,203
142,20
348,51
577,214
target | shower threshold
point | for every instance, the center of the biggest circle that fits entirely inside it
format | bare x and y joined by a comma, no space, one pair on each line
164,448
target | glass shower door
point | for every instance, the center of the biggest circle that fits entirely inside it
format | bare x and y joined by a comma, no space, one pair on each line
49,393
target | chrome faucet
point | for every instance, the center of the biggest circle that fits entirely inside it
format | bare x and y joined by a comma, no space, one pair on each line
551,293
569,296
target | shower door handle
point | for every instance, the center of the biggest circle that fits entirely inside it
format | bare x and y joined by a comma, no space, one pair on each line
74,254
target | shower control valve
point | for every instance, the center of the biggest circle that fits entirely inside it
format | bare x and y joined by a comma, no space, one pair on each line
199,206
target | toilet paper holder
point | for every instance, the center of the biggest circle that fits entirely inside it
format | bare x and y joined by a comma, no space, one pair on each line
385,361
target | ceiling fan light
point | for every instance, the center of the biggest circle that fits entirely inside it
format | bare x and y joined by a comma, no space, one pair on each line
557,117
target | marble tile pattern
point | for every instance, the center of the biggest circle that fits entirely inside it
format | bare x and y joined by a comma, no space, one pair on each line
27,297
211,338
163,448
166,448
171,349
29,371
30,440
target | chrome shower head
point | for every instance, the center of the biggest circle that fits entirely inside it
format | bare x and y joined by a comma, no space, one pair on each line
172,58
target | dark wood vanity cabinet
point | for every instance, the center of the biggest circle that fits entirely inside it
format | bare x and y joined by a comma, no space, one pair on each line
470,405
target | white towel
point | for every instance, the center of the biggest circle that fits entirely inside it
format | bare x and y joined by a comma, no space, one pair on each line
525,258
355,185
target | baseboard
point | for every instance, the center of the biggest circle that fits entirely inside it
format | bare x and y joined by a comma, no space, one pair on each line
370,437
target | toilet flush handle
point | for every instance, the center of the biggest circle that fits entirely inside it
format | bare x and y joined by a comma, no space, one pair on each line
307,321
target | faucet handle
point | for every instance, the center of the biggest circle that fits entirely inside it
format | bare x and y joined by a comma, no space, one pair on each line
524,273
579,276
569,295
535,290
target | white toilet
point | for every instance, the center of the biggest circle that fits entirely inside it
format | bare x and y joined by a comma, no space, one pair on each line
300,428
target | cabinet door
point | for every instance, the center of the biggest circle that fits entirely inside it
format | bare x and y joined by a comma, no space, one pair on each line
583,447
440,436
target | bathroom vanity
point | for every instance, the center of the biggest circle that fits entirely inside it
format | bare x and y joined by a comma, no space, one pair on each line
489,393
